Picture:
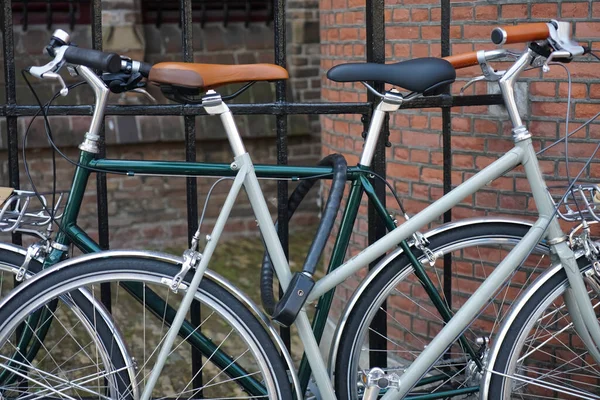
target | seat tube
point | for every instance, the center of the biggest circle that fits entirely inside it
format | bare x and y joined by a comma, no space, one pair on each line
391,102
214,105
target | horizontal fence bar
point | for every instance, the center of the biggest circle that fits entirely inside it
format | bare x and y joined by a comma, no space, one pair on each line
250,109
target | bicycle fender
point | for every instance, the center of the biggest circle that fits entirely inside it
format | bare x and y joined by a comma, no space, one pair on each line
169,258
336,339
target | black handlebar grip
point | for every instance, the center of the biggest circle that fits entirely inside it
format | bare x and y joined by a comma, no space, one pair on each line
145,69
107,62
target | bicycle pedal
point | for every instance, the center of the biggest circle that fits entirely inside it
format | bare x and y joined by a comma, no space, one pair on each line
293,300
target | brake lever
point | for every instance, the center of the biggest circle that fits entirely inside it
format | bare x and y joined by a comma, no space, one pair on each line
49,71
556,54
489,73
145,93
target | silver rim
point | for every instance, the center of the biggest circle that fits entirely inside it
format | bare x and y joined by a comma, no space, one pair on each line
548,359
455,371
143,332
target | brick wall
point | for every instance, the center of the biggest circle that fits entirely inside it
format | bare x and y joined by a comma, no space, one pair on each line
160,218
479,134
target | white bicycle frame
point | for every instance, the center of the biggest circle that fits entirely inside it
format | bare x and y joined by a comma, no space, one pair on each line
545,227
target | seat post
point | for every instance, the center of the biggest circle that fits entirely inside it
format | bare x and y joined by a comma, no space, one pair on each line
390,102
214,105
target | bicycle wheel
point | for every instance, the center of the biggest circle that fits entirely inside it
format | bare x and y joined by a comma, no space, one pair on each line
393,319
541,355
239,359
29,346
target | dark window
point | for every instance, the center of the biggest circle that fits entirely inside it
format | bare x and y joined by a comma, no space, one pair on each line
51,12
203,11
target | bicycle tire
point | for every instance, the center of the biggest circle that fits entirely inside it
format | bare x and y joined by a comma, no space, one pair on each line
153,274
457,370
557,364
11,259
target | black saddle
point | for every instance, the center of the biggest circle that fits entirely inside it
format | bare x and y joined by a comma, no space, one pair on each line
423,75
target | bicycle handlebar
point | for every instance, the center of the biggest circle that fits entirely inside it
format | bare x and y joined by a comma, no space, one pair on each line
108,62
521,33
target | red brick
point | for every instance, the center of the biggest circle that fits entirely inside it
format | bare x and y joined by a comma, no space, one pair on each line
587,30
486,13
543,128
462,161
477,31
402,32
401,50
339,4
595,9
486,199
550,109
544,10
430,32
586,110
419,50
515,11
462,13
574,10
419,122
348,34
400,15
461,124
419,14
578,90
486,126
405,171
595,91
467,143
436,14
432,175
411,138
547,89
419,156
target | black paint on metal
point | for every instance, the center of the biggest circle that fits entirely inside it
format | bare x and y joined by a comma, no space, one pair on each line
191,183
447,148
375,24
251,109
282,143
8,44
101,188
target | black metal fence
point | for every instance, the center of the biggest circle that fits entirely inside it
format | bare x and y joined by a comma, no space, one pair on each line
375,51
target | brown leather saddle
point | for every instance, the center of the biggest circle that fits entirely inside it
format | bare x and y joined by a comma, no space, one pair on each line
210,76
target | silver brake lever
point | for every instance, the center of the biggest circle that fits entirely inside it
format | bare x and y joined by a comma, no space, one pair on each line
145,93
489,73
553,55
49,71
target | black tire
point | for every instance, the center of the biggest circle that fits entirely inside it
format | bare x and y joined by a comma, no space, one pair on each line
562,366
10,261
418,327
148,272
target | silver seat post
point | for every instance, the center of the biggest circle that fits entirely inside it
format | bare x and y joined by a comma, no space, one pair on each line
214,105
390,102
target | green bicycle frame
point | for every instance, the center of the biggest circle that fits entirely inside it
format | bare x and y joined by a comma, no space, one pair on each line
71,233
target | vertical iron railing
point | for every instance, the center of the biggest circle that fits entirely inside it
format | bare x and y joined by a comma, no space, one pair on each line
375,27
281,108
282,143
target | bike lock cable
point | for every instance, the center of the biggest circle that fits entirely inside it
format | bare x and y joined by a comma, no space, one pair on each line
338,162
